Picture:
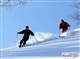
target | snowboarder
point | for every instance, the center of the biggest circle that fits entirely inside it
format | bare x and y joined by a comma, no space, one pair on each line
26,33
64,26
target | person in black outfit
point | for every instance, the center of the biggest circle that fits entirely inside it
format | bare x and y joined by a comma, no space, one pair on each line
26,33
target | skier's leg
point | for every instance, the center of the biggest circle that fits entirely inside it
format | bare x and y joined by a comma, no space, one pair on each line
65,30
25,41
62,30
21,42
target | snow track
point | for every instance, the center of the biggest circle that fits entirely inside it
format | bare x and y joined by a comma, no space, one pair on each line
56,45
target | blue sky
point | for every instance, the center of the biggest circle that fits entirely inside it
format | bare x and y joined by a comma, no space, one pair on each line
40,16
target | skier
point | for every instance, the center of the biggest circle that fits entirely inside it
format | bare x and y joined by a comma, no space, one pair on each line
64,26
26,33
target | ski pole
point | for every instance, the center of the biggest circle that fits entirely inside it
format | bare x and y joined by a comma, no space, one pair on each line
68,31
35,39
59,32
15,37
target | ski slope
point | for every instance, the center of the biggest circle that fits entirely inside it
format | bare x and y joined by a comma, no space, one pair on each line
49,46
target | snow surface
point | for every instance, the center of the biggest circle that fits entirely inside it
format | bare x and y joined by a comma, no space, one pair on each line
46,46
75,32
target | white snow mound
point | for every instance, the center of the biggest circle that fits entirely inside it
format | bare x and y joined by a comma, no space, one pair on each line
40,36
75,32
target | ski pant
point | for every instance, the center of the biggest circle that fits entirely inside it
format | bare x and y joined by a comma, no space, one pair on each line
23,41
64,30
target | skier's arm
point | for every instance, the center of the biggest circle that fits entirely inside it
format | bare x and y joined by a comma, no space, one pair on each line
67,24
21,32
32,33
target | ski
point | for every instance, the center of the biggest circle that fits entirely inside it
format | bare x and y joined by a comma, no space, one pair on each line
61,36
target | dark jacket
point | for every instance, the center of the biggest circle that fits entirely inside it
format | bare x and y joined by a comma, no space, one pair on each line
26,33
64,25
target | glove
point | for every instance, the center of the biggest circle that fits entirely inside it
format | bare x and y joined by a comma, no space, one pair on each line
33,35
17,32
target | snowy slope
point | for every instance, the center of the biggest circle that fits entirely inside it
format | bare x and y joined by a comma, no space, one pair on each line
75,32
49,46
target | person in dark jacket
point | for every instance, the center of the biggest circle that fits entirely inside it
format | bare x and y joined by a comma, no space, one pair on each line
26,33
64,26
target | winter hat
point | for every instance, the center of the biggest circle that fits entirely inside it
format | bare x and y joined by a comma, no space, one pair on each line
27,26
62,20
